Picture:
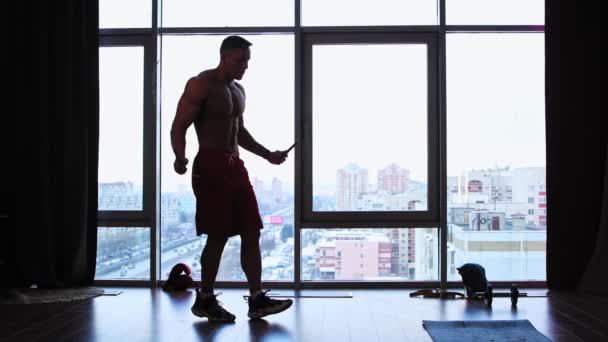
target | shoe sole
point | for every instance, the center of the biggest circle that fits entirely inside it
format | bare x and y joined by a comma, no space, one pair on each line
253,315
204,315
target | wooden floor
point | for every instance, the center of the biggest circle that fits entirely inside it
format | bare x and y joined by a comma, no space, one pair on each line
140,314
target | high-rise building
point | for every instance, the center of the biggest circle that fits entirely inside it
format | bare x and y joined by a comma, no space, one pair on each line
529,186
402,256
169,215
118,196
277,189
258,186
497,217
351,182
353,256
512,191
393,179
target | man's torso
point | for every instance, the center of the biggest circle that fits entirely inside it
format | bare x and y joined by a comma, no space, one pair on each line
217,122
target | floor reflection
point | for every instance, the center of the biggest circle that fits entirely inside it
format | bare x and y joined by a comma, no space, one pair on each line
261,330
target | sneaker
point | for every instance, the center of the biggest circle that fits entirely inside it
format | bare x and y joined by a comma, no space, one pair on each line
262,305
207,305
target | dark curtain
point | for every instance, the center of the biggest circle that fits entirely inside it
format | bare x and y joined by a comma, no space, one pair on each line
53,238
576,141
595,279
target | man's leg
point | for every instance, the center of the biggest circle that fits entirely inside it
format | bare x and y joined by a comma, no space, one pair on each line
210,261
206,304
251,260
260,304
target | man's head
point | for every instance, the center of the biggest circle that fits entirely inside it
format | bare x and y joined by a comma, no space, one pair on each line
234,56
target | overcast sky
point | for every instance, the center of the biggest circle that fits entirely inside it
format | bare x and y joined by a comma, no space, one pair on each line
369,107
208,13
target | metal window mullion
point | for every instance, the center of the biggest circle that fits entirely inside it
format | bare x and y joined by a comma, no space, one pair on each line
225,29
374,216
441,88
433,136
298,137
152,139
371,29
368,225
443,229
442,13
127,32
157,9
494,28
149,138
113,223
135,40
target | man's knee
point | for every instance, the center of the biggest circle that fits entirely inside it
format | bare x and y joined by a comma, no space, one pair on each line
216,241
250,235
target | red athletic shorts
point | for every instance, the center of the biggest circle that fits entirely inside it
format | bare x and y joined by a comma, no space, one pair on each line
225,202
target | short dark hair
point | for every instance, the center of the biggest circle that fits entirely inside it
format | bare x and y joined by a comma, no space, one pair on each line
234,42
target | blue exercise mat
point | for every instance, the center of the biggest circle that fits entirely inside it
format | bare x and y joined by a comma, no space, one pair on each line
495,331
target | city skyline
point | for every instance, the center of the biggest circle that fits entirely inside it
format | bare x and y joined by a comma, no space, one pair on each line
391,254
288,184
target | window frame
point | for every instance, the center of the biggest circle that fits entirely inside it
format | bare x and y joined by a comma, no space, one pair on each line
145,218
150,38
311,218
149,124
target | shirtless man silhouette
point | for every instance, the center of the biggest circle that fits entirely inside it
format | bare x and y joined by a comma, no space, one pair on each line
225,202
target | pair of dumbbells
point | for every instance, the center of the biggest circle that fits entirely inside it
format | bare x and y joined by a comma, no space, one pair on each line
488,295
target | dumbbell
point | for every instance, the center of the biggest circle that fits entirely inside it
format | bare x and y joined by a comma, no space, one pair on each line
489,294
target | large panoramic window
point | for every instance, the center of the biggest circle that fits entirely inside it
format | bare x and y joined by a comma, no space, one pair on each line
419,127
496,154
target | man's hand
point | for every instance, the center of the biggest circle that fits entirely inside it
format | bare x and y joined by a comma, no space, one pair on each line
277,157
179,165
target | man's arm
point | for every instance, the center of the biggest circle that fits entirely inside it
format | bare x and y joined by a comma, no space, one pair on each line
247,142
188,107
